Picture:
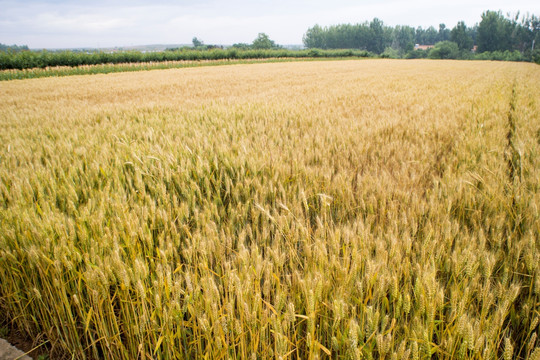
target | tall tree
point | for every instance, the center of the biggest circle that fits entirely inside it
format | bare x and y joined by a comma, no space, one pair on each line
494,32
263,42
461,37
196,42
403,38
431,36
444,33
376,38
427,36
473,32
526,33
315,37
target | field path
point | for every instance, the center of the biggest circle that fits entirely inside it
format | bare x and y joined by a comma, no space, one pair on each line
8,352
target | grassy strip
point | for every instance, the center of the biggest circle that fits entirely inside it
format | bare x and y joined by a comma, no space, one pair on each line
42,59
58,71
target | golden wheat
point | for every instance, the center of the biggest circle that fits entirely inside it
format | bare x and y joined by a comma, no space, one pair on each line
348,209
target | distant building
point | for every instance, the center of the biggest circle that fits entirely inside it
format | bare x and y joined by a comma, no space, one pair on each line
422,47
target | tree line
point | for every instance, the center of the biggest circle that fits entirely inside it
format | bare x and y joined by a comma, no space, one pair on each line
13,48
496,37
261,42
494,33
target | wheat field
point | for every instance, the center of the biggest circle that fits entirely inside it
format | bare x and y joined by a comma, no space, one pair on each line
375,209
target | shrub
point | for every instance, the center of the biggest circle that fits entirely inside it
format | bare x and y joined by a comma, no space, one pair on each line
444,50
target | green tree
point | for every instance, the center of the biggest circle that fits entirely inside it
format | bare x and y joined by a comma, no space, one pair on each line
494,32
444,33
472,32
404,37
427,36
431,36
461,37
263,42
4,47
315,37
376,42
197,43
528,34
444,50
242,46
390,53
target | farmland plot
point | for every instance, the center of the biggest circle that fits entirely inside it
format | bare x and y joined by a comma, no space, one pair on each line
347,209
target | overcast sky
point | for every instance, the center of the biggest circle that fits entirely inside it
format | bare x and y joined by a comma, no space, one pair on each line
106,23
